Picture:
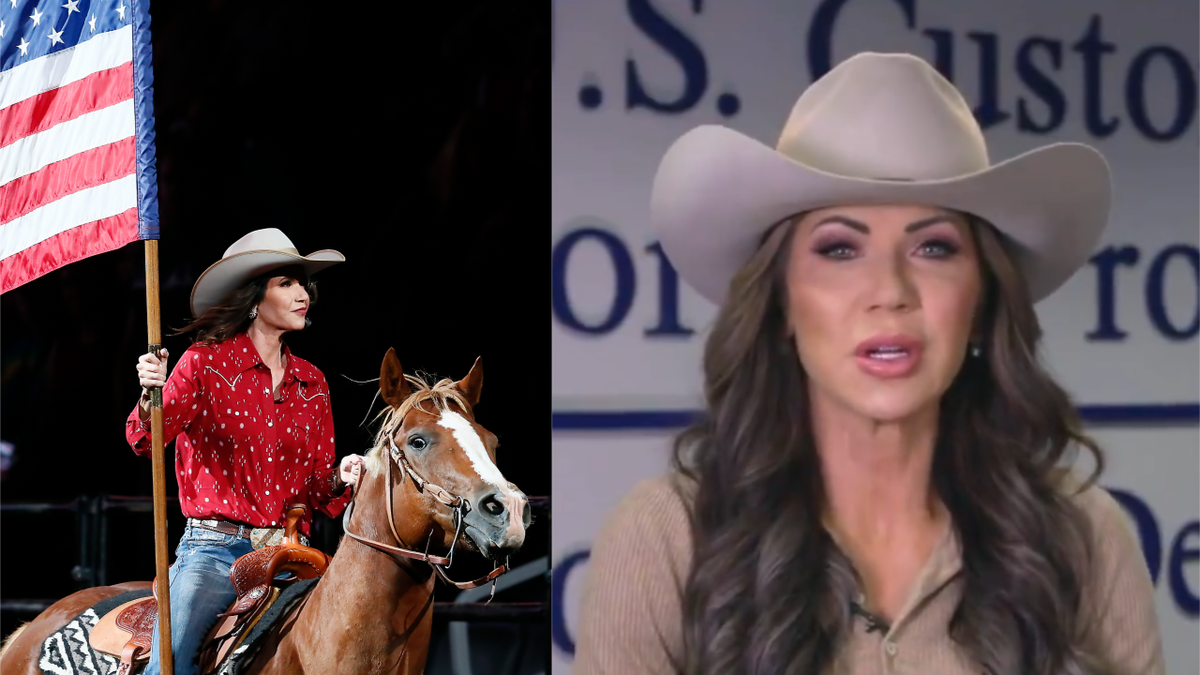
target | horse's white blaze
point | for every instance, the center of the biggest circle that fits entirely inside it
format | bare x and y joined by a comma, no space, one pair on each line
469,440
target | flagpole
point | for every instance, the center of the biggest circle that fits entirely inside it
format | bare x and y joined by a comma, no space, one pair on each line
158,468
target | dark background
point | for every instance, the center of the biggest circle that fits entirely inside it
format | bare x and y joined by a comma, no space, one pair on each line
413,139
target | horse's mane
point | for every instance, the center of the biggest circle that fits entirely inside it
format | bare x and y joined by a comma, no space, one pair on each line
443,393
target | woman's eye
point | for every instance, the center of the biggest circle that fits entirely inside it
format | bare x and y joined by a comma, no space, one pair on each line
416,443
938,248
837,250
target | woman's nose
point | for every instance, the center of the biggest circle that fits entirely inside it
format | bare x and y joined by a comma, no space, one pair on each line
893,288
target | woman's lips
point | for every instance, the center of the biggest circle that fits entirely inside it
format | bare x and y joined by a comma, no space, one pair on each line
889,356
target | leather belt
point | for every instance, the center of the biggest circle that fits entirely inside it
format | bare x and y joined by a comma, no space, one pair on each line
222,526
259,536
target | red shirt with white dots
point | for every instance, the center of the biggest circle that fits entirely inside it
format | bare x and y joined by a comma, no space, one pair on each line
240,454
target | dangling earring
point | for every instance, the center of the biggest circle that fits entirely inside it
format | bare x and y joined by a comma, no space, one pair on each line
976,350
254,313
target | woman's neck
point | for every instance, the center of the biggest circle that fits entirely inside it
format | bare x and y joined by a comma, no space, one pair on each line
269,344
877,476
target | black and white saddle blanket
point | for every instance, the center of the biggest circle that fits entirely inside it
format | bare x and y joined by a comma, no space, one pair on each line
68,651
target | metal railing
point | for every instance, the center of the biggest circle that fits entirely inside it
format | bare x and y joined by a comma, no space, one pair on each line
86,514
91,524
460,639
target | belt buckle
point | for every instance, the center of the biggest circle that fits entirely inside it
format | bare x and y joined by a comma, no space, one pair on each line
262,537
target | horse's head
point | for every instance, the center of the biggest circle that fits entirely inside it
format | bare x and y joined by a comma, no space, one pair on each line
433,428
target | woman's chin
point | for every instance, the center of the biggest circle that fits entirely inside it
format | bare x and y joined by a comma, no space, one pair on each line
893,407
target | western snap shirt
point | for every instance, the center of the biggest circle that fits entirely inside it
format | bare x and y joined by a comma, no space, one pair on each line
240,454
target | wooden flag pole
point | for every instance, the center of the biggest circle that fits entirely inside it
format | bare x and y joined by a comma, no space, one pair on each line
158,467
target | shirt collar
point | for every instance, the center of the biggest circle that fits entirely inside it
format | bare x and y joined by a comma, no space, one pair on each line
242,344
944,563
303,370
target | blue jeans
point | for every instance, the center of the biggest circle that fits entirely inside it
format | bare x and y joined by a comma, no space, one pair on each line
200,590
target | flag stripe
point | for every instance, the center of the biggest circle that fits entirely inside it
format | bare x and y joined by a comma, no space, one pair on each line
31,78
41,112
85,206
67,247
78,172
85,132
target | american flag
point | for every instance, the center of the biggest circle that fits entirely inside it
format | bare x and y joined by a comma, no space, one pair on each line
77,171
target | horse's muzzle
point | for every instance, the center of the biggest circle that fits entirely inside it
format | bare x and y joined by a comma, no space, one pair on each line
497,522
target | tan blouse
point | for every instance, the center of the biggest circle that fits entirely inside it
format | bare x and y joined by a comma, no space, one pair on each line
630,614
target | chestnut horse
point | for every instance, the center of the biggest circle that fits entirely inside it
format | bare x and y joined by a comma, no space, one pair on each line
431,476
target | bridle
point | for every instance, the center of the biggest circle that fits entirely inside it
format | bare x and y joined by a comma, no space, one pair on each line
461,508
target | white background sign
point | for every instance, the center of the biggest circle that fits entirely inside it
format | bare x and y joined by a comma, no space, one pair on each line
630,77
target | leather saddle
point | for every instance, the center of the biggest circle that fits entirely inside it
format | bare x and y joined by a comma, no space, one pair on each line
127,630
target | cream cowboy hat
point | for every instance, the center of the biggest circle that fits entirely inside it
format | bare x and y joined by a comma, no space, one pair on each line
256,253
877,129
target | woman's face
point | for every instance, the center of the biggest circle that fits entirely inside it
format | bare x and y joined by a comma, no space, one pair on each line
284,305
881,303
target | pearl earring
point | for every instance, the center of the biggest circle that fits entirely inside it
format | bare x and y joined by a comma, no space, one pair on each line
976,350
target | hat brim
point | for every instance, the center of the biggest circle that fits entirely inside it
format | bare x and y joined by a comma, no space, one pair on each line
718,191
227,274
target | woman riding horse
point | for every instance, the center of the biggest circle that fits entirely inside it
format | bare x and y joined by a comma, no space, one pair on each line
428,487
252,423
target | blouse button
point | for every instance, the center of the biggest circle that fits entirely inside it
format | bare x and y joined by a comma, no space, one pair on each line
889,647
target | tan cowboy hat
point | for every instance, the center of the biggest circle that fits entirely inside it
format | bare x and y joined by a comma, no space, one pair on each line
256,253
877,129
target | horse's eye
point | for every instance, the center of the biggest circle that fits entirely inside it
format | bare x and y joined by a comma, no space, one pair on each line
416,443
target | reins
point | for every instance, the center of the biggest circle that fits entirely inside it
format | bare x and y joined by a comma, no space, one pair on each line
458,503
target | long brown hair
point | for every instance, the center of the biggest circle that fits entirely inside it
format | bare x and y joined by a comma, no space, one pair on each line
1006,428
231,316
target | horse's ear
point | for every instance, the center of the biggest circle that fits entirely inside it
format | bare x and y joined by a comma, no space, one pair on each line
472,384
392,385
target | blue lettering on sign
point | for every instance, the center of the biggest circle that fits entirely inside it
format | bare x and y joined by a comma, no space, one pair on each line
682,49
626,281
1155,293
1038,62
1176,324
668,297
559,632
1037,59
1184,553
1107,264
667,324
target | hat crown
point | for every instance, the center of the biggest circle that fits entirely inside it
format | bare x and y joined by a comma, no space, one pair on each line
885,117
268,239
